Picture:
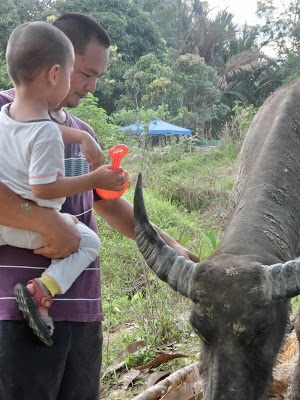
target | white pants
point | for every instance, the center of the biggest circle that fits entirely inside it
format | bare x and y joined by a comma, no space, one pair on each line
66,270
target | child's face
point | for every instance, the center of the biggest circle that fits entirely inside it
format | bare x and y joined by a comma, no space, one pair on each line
63,81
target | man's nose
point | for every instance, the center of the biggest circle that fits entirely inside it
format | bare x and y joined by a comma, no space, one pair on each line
91,84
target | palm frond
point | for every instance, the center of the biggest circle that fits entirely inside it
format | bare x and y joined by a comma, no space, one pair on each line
247,61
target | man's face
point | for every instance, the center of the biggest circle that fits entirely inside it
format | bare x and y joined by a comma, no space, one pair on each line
87,69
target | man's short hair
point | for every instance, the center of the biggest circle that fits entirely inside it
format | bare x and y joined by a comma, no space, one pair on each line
33,47
81,30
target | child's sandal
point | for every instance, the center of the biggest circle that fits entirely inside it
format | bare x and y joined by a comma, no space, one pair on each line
28,304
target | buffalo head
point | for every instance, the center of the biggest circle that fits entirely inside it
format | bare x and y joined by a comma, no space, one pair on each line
240,309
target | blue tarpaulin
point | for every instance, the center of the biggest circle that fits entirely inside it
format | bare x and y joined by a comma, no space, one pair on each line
158,128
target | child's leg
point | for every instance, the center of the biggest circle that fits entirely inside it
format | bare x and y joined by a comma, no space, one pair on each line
20,238
64,272
31,299
56,279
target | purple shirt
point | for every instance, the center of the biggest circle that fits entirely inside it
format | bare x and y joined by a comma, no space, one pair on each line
82,302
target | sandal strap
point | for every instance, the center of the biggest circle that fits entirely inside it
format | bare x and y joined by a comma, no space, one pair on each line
42,298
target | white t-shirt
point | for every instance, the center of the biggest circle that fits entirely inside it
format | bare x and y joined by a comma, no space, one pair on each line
32,153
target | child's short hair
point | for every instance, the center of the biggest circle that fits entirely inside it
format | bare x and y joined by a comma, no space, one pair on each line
33,47
81,30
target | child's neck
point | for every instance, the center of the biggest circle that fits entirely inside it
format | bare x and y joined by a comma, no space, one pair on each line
28,107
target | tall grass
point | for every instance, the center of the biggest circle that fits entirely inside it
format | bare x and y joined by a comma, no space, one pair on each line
186,194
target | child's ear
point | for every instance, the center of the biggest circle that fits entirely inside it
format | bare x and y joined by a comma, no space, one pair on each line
53,74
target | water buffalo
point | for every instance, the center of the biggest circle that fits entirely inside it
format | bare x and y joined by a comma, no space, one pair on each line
241,292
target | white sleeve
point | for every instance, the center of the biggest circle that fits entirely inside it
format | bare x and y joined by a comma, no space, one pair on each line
47,156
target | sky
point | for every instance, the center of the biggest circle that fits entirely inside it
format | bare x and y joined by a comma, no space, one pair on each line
243,10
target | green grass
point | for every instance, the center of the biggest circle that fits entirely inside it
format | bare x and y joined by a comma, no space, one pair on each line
186,194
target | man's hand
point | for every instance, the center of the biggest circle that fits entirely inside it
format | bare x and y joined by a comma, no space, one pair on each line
61,238
177,247
182,251
118,214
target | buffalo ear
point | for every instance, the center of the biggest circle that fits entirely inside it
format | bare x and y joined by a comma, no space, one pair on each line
282,281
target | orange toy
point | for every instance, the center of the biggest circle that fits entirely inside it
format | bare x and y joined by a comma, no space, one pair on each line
116,153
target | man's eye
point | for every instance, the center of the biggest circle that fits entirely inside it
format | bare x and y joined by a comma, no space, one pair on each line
86,75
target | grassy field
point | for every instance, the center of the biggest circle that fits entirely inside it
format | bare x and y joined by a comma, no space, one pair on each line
186,194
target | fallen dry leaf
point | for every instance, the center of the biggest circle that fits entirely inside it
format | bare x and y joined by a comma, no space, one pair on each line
191,377
161,358
119,362
156,376
187,391
130,377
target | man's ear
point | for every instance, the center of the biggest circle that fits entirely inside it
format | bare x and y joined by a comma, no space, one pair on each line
53,74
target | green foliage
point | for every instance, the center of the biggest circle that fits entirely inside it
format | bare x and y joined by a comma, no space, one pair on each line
5,82
280,28
33,10
200,97
133,297
147,83
210,237
9,19
281,31
111,85
98,119
140,115
189,88
130,29
244,116
172,18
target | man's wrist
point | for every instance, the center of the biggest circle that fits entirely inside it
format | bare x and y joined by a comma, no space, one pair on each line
46,218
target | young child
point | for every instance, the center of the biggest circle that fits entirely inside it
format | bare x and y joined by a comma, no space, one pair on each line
40,61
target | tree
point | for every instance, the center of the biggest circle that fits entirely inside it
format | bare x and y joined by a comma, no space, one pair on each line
132,34
98,119
188,87
5,82
282,31
9,19
130,29
199,100
250,77
148,84
111,85
33,10
172,18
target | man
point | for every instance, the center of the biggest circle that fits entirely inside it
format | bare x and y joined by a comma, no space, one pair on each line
70,368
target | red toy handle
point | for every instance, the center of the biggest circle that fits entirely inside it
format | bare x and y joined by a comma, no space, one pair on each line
116,153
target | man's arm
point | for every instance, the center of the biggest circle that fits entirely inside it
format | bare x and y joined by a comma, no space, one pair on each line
58,231
118,214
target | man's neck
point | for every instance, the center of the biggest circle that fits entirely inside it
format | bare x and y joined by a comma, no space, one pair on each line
59,115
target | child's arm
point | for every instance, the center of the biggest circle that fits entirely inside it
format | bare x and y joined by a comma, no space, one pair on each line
103,177
91,149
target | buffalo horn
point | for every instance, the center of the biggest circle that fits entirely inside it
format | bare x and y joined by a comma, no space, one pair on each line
282,280
162,259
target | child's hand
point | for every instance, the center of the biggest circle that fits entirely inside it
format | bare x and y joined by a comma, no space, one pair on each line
92,151
110,179
90,147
